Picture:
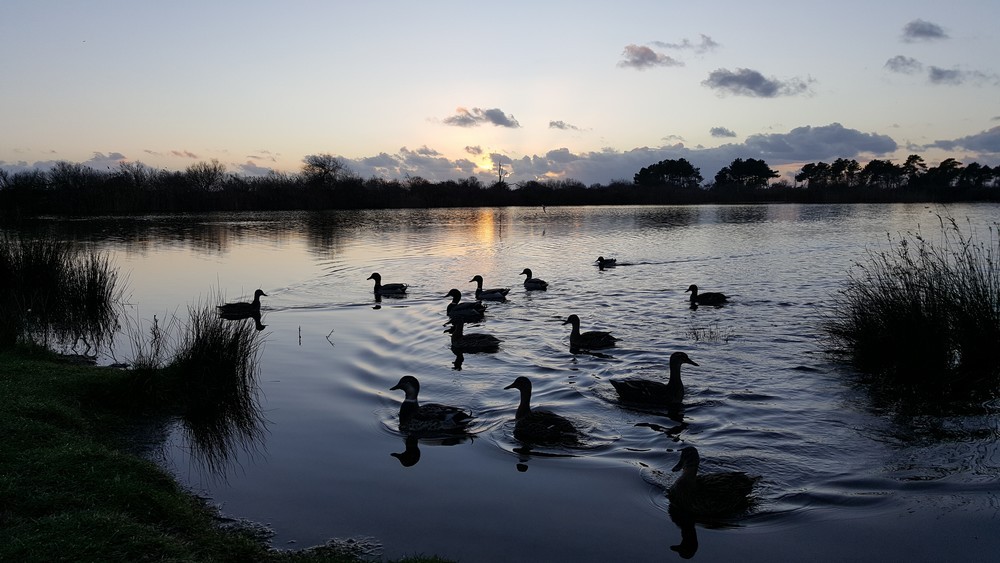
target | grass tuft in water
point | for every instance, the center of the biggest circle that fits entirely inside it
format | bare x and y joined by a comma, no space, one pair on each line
54,293
925,317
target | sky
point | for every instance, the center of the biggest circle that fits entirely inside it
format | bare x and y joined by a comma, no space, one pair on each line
584,90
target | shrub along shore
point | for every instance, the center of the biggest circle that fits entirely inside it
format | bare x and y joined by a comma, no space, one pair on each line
69,491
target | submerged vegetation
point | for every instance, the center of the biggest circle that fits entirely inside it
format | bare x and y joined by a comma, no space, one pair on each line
54,294
924,317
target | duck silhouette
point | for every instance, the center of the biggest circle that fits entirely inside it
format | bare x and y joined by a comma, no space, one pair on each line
590,340
428,418
473,342
708,298
532,283
603,262
388,289
713,495
656,392
243,307
468,311
491,294
539,426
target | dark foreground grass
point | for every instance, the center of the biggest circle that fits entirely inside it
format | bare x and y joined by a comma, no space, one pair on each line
923,317
68,492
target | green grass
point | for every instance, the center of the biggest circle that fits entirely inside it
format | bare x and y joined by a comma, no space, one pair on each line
68,492
924,317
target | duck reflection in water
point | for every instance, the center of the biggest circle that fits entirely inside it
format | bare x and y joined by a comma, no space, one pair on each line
242,316
411,453
689,534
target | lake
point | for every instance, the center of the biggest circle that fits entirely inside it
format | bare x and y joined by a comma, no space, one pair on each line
843,478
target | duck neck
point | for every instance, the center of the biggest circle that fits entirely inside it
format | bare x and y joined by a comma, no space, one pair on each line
675,372
524,408
408,408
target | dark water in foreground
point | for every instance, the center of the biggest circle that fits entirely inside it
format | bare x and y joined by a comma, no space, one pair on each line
842,479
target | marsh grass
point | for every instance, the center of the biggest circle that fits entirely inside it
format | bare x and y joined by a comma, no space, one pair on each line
55,293
924,317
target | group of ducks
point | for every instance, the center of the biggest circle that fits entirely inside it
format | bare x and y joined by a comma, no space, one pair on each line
711,495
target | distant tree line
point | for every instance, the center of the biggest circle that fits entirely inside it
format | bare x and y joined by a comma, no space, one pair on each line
325,182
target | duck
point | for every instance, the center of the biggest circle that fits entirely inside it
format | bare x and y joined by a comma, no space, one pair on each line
389,288
492,294
431,417
708,298
467,310
243,308
603,262
656,392
532,283
712,495
540,426
590,340
474,342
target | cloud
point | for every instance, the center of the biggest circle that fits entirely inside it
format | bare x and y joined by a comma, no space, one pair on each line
562,125
250,169
184,154
748,82
985,142
477,116
102,161
920,30
904,65
955,77
804,144
476,150
721,132
641,57
704,45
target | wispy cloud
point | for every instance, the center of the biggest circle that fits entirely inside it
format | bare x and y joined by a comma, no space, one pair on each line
920,30
641,57
474,150
987,142
904,65
952,76
562,125
249,168
748,82
184,154
704,45
720,132
474,117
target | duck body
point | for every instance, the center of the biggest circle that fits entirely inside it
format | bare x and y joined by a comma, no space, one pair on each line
603,262
474,342
430,417
491,294
531,283
246,310
468,310
656,392
540,427
715,495
590,340
708,298
388,288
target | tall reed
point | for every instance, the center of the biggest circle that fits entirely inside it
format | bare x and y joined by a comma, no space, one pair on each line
925,315
56,293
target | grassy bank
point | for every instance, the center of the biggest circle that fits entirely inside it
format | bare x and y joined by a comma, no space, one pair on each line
68,492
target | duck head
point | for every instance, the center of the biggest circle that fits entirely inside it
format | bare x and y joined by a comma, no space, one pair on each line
409,385
477,278
572,320
375,276
693,289
678,358
454,294
522,384
689,459
526,272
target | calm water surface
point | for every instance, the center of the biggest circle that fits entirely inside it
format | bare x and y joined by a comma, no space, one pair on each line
842,479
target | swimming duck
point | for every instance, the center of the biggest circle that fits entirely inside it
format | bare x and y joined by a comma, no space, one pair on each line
389,288
474,342
603,262
531,283
712,495
709,298
539,426
492,294
431,417
243,308
467,310
590,340
655,392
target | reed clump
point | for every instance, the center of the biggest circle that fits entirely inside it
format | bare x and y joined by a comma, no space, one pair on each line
924,316
54,293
